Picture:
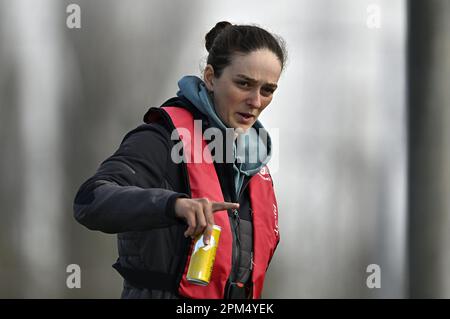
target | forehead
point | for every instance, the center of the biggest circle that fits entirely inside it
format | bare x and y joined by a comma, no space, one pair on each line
262,65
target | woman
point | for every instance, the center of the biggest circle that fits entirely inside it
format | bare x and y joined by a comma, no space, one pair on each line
157,204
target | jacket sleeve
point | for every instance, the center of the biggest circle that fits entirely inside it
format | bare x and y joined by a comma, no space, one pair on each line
127,193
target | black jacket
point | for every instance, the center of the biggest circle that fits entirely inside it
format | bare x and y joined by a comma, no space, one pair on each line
133,194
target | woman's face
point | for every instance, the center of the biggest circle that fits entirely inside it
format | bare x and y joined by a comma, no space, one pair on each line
245,87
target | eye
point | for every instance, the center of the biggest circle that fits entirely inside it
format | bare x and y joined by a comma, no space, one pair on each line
267,91
244,84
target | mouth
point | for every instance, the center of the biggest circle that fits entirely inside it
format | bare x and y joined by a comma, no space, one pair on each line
246,115
245,118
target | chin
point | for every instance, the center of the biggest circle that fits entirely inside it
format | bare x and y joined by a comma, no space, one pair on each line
237,125
243,129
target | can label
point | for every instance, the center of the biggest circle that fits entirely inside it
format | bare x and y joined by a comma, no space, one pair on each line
202,259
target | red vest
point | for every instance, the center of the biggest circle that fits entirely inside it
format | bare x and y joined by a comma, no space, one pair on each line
204,182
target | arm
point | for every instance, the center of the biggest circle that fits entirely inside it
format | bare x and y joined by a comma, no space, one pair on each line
127,192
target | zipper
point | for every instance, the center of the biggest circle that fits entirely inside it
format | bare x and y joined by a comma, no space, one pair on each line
237,221
246,181
253,240
237,242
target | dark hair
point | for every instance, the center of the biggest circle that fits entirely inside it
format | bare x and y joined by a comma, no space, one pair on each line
226,39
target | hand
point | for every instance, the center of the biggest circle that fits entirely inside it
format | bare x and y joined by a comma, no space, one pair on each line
198,214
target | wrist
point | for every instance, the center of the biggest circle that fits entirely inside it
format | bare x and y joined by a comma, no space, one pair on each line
170,209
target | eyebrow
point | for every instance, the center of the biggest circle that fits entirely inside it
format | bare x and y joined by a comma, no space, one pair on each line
273,85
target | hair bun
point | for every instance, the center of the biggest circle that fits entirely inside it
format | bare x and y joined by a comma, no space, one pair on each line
214,32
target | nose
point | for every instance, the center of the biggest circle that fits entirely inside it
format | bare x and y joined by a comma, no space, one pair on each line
254,99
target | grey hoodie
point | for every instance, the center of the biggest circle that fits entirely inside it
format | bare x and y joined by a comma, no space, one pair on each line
251,150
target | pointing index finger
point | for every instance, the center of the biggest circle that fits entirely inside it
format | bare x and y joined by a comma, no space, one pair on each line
223,206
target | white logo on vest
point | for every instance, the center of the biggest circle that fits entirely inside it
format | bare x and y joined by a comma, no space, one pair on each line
275,216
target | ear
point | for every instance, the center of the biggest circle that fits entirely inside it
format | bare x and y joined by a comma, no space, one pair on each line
208,77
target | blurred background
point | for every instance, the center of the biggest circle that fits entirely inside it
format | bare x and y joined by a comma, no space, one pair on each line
363,148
